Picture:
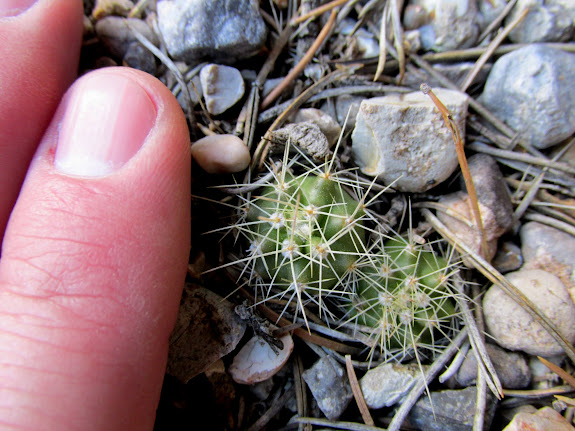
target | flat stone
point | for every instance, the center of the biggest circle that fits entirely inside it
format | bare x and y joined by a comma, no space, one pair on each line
530,89
511,368
544,419
546,21
450,410
329,385
403,140
117,37
223,30
387,384
222,87
550,249
513,328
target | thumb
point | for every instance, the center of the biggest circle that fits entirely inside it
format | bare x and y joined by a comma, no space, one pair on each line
94,259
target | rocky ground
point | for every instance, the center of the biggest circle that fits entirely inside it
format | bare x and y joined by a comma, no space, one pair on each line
431,286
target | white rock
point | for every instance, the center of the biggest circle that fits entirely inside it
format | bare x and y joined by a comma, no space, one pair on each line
387,384
222,86
402,139
513,328
221,154
257,361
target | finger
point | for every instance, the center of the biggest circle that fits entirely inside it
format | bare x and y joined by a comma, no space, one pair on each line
94,259
39,49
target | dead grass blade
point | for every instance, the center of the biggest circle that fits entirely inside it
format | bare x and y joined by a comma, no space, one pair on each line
568,378
357,394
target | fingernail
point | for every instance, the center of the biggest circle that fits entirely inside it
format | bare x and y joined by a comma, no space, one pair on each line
106,121
14,7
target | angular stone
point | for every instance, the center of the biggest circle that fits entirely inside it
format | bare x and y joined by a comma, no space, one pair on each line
330,387
223,30
222,87
513,328
546,21
451,410
511,368
530,89
387,384
403,140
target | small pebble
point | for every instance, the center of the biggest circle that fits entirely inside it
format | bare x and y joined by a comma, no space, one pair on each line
546,21
139,57
403,140
329,385
550,249
221,154
222,87
511,368
513,328
307,136
223,30
117,36
386,384
346,108
530,89
508,257
450,410
545,419
258,361
329,127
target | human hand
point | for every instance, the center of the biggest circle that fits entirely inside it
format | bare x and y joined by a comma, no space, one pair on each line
95,251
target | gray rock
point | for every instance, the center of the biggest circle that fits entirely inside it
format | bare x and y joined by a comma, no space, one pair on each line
222,87
307,136
329,127
514,329
511,368
491,189
117,37
489,10
546,21
402,139
545,247
344,105
223,30
453,24
330,387
530,89
387,384
508,257
451,410
139,57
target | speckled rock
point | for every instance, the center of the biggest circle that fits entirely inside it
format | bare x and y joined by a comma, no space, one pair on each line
223,30
452,24
530,89
545,247
117,36
329,385
221,154
450,410
546,21
387,384
403,140
222,87
329,127
545,419
514,329
511,368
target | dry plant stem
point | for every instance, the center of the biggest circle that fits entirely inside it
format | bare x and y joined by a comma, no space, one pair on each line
457,140
497,21
550,221
555,214
568,378
495,277
396,7
317,11
423,381
357,394
480,402
527,158
274,409
480,109
298,68
455,364
500,140
138,9
382,45
490,49
300,388
348,426
538,393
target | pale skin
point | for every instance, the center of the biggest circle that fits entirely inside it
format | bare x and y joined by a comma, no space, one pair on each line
91,267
